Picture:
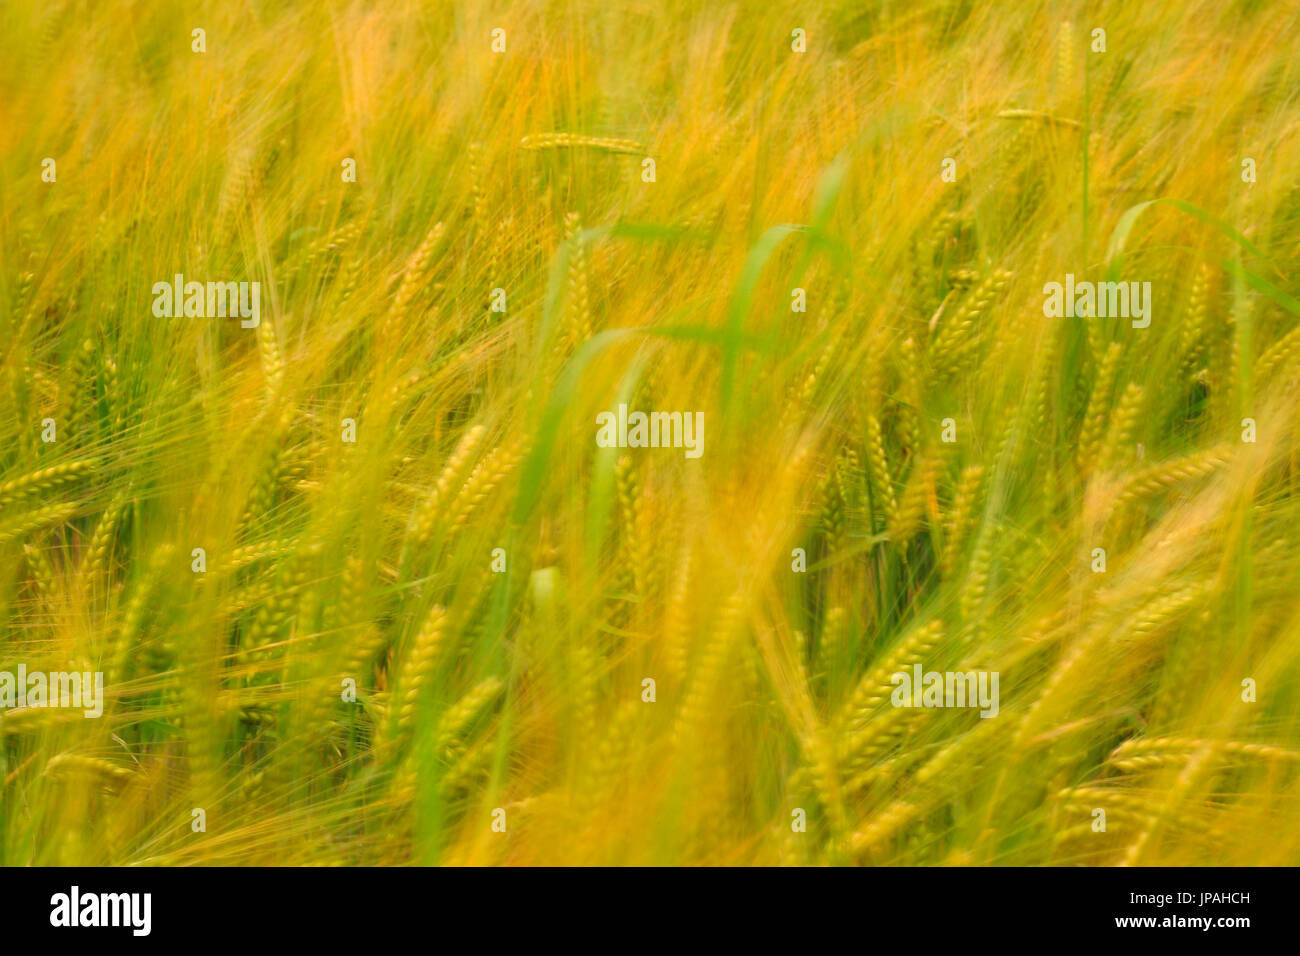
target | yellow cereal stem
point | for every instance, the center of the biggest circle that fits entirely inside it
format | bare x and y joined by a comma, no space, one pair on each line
538,141
1157,478
44,481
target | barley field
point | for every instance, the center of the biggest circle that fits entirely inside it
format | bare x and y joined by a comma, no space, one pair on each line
365,580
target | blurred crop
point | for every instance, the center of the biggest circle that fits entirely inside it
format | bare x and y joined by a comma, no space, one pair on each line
828,535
